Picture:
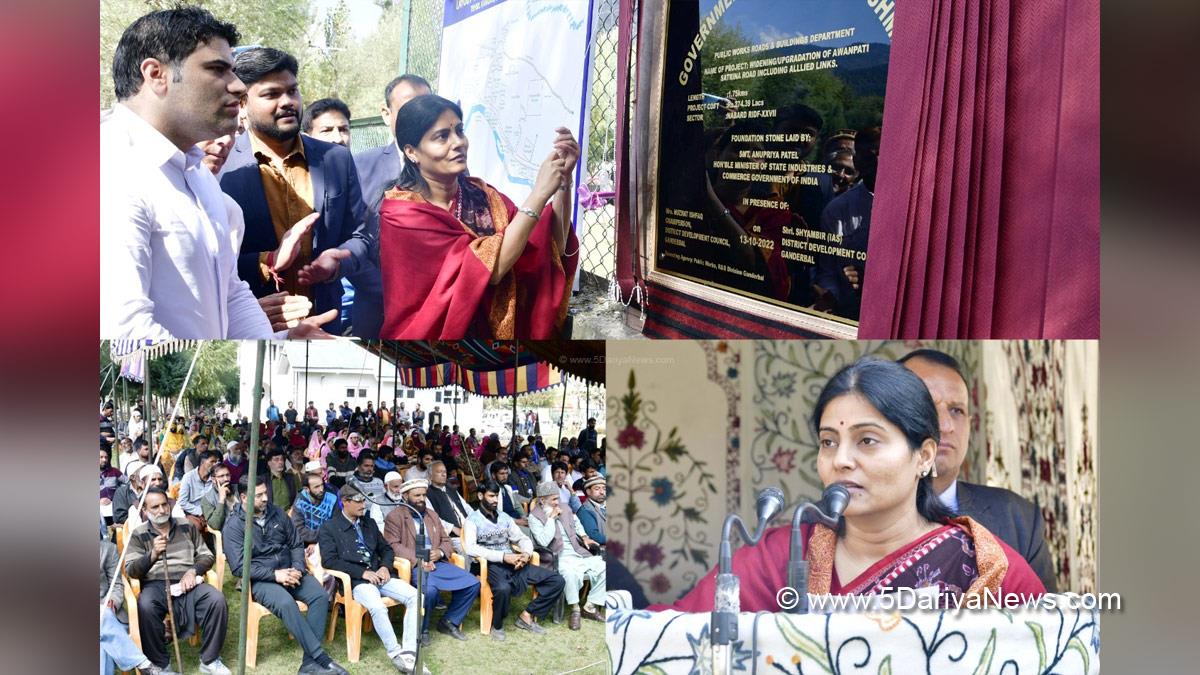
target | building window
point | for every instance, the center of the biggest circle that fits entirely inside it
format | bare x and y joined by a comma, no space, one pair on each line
412,393
362,393
349,393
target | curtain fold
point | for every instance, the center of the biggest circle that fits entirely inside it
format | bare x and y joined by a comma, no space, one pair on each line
986,219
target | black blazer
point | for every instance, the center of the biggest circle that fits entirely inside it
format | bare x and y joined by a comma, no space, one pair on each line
344,222
1015,520
339,547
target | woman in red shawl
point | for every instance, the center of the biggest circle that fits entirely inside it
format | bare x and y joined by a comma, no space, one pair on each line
458,258
878,437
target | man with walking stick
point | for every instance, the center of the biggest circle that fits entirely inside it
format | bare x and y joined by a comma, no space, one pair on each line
169,557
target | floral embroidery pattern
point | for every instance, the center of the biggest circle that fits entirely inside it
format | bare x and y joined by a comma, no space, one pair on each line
1047,641
660,532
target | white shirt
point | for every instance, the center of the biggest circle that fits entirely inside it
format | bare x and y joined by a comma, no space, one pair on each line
950,496
169,242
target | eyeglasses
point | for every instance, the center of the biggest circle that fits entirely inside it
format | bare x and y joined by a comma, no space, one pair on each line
359,499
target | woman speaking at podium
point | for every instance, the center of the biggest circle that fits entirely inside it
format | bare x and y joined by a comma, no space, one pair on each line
460,259
878,434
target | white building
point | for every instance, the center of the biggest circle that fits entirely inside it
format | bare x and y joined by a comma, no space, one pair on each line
337,371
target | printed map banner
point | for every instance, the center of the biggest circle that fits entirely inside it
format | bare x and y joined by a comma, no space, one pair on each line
518,69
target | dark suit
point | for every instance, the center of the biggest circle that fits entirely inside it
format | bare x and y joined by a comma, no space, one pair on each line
344,223
339,547
377,168
275,545
1013,519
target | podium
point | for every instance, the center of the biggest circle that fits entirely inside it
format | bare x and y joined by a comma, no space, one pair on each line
1023,640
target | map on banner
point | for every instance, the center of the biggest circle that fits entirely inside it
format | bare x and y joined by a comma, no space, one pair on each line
518,69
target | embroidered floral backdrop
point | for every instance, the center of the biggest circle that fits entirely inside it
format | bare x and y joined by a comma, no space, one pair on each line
703,425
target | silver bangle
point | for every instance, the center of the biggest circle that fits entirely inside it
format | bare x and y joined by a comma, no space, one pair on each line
529,212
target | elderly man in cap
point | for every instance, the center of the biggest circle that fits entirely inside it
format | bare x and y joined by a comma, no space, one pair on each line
402,530
353,544
554,527
150,475
389,500
235,460
592,513
128,493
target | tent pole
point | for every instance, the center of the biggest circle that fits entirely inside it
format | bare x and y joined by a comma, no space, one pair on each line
516,361
147,413
562,427
251,472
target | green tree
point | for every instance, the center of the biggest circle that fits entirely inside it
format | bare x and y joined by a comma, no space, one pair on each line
215,375
283,24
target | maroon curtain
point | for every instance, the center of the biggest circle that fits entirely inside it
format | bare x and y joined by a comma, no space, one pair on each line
986,219
626,270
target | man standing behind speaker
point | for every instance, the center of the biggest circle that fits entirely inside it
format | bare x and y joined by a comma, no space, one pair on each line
1004,513
377,169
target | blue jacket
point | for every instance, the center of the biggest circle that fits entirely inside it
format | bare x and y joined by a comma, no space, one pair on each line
345,221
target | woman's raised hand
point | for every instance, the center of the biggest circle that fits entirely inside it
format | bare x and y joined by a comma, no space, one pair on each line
568,151
549,176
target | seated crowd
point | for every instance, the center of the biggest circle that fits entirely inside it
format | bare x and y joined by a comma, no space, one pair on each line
337,498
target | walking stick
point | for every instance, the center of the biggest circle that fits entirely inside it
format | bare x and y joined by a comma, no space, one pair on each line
171,613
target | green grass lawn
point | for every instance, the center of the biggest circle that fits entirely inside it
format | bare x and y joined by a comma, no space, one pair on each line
558,651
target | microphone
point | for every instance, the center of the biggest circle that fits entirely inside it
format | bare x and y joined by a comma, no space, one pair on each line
727,599
828,512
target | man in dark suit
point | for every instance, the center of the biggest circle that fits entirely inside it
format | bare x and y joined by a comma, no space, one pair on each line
279,176
377,168
1004,513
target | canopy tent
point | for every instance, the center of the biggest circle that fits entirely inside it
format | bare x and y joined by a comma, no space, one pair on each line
492,368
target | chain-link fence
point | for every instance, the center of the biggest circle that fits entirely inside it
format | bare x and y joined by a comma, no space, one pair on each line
596,226
421,50
368,132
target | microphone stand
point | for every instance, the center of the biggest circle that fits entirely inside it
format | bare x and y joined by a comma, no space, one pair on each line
834,499
419,577
727,599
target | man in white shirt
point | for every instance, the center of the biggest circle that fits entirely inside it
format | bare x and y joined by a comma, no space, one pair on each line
169,237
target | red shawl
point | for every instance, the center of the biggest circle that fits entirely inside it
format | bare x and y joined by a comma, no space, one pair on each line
762,569
436,271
